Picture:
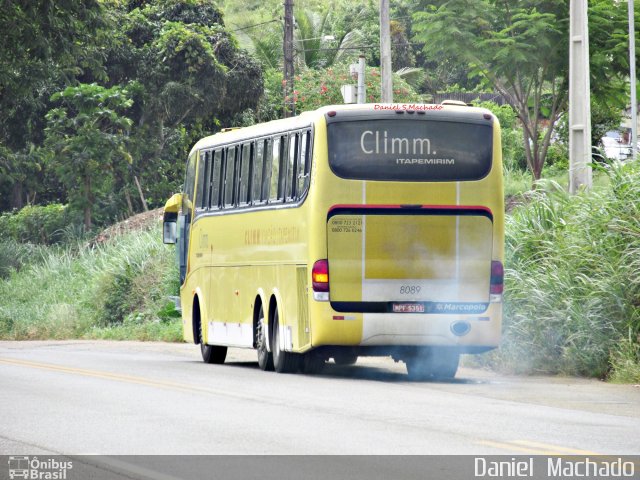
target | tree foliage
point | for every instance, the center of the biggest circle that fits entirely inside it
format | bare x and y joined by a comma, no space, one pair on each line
87,136
180,68
183,71
189,76
44,45
519,48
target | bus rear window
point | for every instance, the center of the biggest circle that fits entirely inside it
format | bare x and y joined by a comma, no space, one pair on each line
410,150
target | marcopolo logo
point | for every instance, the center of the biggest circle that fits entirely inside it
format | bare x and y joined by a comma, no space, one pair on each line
34,468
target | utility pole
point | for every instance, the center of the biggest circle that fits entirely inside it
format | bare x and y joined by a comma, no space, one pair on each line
385,53
289,104
362,92
632,82
580,174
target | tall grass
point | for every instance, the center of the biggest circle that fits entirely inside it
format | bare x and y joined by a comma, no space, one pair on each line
572,301
516,182
15,256
117,289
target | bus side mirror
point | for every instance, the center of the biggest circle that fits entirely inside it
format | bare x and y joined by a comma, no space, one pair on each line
170,219
170,228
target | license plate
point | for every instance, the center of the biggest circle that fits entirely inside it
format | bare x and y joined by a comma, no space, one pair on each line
408,308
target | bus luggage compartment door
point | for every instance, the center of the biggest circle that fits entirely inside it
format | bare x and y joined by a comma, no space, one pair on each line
410,260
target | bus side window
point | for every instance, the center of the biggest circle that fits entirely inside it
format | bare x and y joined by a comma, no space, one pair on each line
266,176
206,180
275,192
200,190
282,181
229,176
257,172
216,180
244,180
304,165
292,164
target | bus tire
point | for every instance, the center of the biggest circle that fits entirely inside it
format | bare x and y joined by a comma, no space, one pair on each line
433,364
345,358
265,358
212,353
283,362
312,363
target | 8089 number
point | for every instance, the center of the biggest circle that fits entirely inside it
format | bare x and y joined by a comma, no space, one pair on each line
410,289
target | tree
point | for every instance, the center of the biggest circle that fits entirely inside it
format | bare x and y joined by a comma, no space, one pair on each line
517,47
520,48
310,46
44,45
87,136
189,77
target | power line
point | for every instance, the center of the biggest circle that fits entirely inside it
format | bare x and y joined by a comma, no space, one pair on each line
279,20
255,25
362,47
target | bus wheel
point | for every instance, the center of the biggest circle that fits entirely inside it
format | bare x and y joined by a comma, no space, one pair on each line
283,362
312,363
212,353
345,358
265,359
433,364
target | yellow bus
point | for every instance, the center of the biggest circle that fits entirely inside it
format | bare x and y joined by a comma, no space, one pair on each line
352,230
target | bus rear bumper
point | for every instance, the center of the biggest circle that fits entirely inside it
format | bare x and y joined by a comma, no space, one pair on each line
468,332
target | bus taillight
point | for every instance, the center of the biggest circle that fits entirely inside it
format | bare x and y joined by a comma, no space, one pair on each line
320,280
497,278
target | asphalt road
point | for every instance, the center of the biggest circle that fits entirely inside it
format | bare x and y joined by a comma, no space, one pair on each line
122,398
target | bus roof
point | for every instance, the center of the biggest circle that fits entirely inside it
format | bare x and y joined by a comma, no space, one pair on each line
305,119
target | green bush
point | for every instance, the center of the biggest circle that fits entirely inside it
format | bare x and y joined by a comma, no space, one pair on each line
118,289
15,256
573,280
38,224
135,287
117,302
558,156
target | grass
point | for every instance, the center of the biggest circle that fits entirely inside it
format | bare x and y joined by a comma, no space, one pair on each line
116,290
516,183
572,301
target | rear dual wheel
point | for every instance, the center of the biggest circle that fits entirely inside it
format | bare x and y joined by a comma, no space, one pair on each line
279,360
265,359
283,362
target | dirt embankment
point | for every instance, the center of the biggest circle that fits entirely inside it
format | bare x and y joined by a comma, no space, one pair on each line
141,221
